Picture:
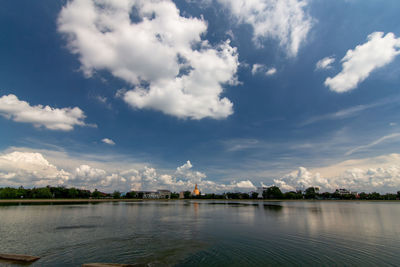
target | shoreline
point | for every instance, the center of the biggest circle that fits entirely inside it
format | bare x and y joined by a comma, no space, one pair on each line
85,200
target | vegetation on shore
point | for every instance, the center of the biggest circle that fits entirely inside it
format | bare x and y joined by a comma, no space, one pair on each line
272,192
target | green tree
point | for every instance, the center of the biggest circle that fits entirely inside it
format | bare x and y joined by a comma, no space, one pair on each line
73,193
43,192
96,194
273,192
292,195
254,195
174,195
131,194
311,192
21,192
187,194
116,195
8,193
375,196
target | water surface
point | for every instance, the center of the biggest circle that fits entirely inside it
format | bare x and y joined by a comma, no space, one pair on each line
205,233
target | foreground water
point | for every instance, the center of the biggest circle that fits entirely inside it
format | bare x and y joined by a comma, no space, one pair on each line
205,233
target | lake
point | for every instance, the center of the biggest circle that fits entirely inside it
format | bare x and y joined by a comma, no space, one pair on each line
205,233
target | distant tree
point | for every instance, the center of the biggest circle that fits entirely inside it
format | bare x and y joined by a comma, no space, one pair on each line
244,196
131,194
21,192
348,196
59,192
72,193
174,195
363,195
326,195
273,192
187,194
311,192
374,196
292,195
254,195
83,193
96,194
389,196
140,195
8,193
116,195
43,192
398,194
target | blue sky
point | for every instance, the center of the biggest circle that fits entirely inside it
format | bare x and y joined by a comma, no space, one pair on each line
227,94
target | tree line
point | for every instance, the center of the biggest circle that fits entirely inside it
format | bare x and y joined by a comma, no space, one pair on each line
44,193
272,192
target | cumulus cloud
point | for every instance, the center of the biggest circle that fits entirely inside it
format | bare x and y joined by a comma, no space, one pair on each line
108,141
185,171
358,64
158,52
302,179
381,174
284,20
325,63
245,184
26,168
33,169
260,68
63,119
86,172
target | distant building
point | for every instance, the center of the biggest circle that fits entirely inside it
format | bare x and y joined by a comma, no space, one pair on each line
182,195
164,193
343,191
196,191
260,191
159,194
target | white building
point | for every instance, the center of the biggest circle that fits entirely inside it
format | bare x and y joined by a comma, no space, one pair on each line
260,191
159,194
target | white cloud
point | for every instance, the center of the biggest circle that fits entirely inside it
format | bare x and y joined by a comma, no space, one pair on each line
325,63
381,174
101,99
374,143
185,171
260,68
284,20
63,119
245,184
86,172
257,68
33,169
351,111
162,55
108,141
270,72
26,168
358,64
302,179
240,144
187,166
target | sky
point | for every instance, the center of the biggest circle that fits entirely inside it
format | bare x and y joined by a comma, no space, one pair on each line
230,95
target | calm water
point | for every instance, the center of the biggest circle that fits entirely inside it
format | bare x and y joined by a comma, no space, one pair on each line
205,233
